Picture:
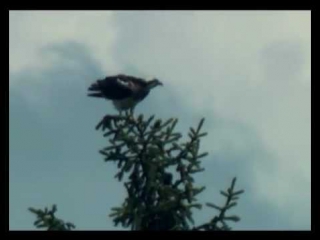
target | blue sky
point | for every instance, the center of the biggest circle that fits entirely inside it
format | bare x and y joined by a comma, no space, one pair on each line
247,72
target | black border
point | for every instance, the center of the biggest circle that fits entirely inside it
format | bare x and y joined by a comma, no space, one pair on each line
113,6
162,5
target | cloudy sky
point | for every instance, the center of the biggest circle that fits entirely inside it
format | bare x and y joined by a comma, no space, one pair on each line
247,72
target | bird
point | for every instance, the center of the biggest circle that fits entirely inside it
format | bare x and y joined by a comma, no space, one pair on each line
125,91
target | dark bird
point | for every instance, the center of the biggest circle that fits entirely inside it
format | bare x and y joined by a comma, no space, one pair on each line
124,91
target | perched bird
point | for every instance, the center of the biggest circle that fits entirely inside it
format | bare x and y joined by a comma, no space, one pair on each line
124,91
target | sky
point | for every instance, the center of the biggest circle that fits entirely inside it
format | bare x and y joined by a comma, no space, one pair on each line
248,73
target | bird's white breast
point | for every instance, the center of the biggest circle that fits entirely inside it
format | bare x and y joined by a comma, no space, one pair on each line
124,104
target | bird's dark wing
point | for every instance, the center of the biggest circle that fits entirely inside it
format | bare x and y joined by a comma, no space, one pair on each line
137,85
113,88
138,82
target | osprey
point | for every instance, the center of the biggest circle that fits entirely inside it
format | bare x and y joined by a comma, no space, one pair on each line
124,91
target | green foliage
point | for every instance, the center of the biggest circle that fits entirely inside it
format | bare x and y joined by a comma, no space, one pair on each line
146,151
47,219
219,222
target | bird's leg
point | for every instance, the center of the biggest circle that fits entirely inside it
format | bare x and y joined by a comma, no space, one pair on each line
126,113
131,111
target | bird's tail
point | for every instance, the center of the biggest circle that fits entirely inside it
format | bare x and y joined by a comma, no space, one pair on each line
96,90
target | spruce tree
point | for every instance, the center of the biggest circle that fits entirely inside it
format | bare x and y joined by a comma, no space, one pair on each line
157,172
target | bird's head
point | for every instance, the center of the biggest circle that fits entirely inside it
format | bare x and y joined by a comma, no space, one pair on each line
154,83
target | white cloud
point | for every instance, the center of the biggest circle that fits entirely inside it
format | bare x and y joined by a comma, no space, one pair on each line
29,31
252,67
32,33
